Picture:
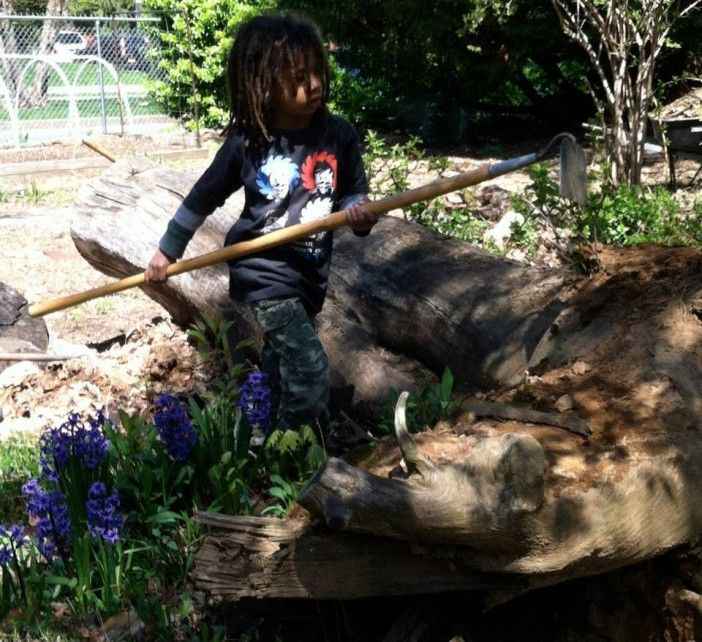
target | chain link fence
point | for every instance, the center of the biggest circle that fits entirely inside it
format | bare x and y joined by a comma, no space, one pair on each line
70,77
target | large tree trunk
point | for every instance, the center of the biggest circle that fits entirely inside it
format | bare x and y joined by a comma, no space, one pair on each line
619,354
402,302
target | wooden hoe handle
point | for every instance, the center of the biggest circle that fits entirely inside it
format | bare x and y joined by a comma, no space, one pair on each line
278,237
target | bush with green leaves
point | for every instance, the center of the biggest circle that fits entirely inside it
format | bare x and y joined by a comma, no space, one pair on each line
389,168
195,41
615,215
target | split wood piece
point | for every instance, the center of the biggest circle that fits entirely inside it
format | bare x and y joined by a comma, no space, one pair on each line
280,558
482,408
34,356
479,503
99,149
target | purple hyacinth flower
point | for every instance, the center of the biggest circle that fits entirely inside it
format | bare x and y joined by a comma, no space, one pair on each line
104,518
50,509
255,401
74,437
174,427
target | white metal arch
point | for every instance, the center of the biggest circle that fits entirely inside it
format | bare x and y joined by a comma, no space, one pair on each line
34,59
14,120
87,59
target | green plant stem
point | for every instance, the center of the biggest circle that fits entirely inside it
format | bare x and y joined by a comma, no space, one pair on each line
20,575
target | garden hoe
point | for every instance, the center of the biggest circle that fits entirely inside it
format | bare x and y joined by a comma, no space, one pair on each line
572,186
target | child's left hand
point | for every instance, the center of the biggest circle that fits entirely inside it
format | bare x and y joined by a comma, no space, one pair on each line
358,219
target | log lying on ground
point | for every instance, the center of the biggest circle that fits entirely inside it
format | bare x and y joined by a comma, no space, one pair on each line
627,353
19,332
622,347
402,302
267,557
498,522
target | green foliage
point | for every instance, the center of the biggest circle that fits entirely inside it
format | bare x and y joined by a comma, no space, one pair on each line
432,403
211,336
360,100
18,457
202,32
285,492
293,454
98,7
622,215
484,58
389,168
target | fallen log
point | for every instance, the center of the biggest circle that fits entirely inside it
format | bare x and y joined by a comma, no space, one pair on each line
456,316
498,522
267,557
19,333
624,345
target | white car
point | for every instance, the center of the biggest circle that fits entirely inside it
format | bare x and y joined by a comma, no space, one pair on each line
68,43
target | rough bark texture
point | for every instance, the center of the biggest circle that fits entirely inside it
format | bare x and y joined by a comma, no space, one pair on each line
262,557
401,303
620,350
18,331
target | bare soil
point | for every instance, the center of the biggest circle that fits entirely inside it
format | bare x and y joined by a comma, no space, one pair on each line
134,352
125,335
129,349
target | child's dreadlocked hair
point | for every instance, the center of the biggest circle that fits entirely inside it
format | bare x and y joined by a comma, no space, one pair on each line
264,54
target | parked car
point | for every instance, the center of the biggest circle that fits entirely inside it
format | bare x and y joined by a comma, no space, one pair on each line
68,43
128,49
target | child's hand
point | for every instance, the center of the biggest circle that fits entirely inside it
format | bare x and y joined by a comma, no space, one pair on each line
156,271
358,219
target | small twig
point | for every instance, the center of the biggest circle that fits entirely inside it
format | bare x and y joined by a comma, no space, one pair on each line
527,415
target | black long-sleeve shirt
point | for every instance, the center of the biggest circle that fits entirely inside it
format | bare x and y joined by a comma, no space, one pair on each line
302,175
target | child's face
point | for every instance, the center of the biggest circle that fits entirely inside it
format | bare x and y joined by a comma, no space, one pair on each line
293,103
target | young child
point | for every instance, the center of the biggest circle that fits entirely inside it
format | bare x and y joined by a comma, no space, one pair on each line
296,163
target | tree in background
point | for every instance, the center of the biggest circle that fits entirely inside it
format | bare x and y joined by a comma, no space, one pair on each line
402,62
486,58
195,39
623,41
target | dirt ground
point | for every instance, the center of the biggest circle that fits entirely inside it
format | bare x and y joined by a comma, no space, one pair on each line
126,342
129,350
123,336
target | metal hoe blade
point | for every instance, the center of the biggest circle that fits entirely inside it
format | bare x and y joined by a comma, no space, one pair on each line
573,172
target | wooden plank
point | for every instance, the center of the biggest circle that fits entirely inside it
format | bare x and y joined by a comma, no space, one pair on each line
56,166
331,565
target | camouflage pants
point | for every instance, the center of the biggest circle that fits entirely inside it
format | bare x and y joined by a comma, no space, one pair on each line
295,362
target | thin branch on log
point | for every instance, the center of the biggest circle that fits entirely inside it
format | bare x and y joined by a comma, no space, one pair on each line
527,415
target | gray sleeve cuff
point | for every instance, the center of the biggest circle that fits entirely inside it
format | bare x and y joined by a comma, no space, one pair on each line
175,240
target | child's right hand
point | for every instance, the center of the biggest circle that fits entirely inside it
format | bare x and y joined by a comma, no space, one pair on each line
156,271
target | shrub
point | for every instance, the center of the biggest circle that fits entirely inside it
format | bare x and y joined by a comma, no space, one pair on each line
615,215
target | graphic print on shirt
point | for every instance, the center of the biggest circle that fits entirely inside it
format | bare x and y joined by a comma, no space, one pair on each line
319,178
277,177
319,173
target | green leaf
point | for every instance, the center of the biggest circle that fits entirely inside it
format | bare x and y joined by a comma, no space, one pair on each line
446,385
163,517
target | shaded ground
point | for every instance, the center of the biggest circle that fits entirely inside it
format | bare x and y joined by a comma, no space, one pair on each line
135,353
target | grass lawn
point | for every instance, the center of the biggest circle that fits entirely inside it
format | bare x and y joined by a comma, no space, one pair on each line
90,75
87,108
